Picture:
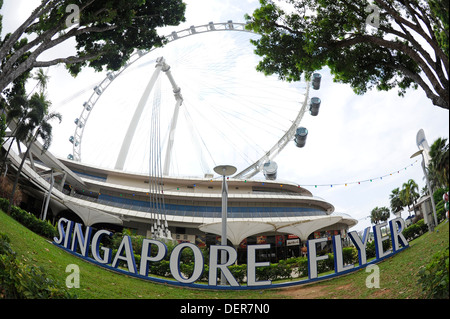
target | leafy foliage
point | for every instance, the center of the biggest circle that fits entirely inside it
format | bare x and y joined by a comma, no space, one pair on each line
439,163
20,281
379,214
434,278
106,34
415,230
302,36
40,227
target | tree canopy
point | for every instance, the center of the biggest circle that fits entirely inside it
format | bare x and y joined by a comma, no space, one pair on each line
395,201
387,44
379,214
438,168
106,34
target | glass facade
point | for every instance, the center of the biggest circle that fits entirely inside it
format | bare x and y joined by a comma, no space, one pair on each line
210,211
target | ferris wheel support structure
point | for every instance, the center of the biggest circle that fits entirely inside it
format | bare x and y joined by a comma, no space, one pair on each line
80,122
161,65
88,106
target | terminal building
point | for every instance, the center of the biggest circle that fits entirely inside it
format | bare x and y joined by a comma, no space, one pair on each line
267,211
282,214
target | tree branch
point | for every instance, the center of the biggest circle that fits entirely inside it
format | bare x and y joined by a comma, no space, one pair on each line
394,46
434,64
9,73
15,36
437,49
438,100
400,20
68,60
417,28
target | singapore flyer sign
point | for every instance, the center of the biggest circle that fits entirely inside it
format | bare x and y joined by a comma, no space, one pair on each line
86,244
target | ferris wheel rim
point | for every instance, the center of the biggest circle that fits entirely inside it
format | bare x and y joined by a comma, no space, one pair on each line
88,106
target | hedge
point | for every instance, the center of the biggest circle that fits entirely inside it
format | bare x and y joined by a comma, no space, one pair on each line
415,230
36,225
20,281
284,269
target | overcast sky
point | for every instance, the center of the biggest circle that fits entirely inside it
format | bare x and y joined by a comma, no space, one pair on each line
354,138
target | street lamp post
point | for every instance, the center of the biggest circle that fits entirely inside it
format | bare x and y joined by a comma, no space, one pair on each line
224,170
424,150
433,206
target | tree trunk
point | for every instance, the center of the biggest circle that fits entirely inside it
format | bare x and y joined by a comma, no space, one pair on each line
19,170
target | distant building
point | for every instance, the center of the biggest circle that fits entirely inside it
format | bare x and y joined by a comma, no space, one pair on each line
423,209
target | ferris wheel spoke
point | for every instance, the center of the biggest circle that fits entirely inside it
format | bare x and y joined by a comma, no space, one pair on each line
223,104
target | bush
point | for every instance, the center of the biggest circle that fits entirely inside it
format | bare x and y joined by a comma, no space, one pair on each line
5,247
274,272
161,268
326,264
239,272
302,265
423,228
350,255
437,195
40,227
370,250
21,281
440,211
415,230
434,278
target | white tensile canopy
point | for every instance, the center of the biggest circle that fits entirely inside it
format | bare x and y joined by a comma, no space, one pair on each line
239,228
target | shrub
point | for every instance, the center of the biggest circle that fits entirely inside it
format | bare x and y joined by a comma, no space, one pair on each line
415,230
422,226
273,272
36,225
326,264
21,281
5,247
302,265
370,250
40,227
161,268
349,255
440,211
434,278
437,195
239,272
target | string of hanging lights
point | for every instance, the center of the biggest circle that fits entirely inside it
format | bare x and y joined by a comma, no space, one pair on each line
359,182
345,184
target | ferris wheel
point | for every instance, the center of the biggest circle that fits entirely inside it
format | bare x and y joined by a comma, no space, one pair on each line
206,91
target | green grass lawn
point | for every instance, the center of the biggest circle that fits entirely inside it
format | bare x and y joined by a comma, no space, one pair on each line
398,275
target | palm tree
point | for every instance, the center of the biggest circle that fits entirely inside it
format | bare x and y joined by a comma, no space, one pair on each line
439,163
424,191
433,176
37,126
42,81
396,202
409,195
17,108
379,214
16,111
